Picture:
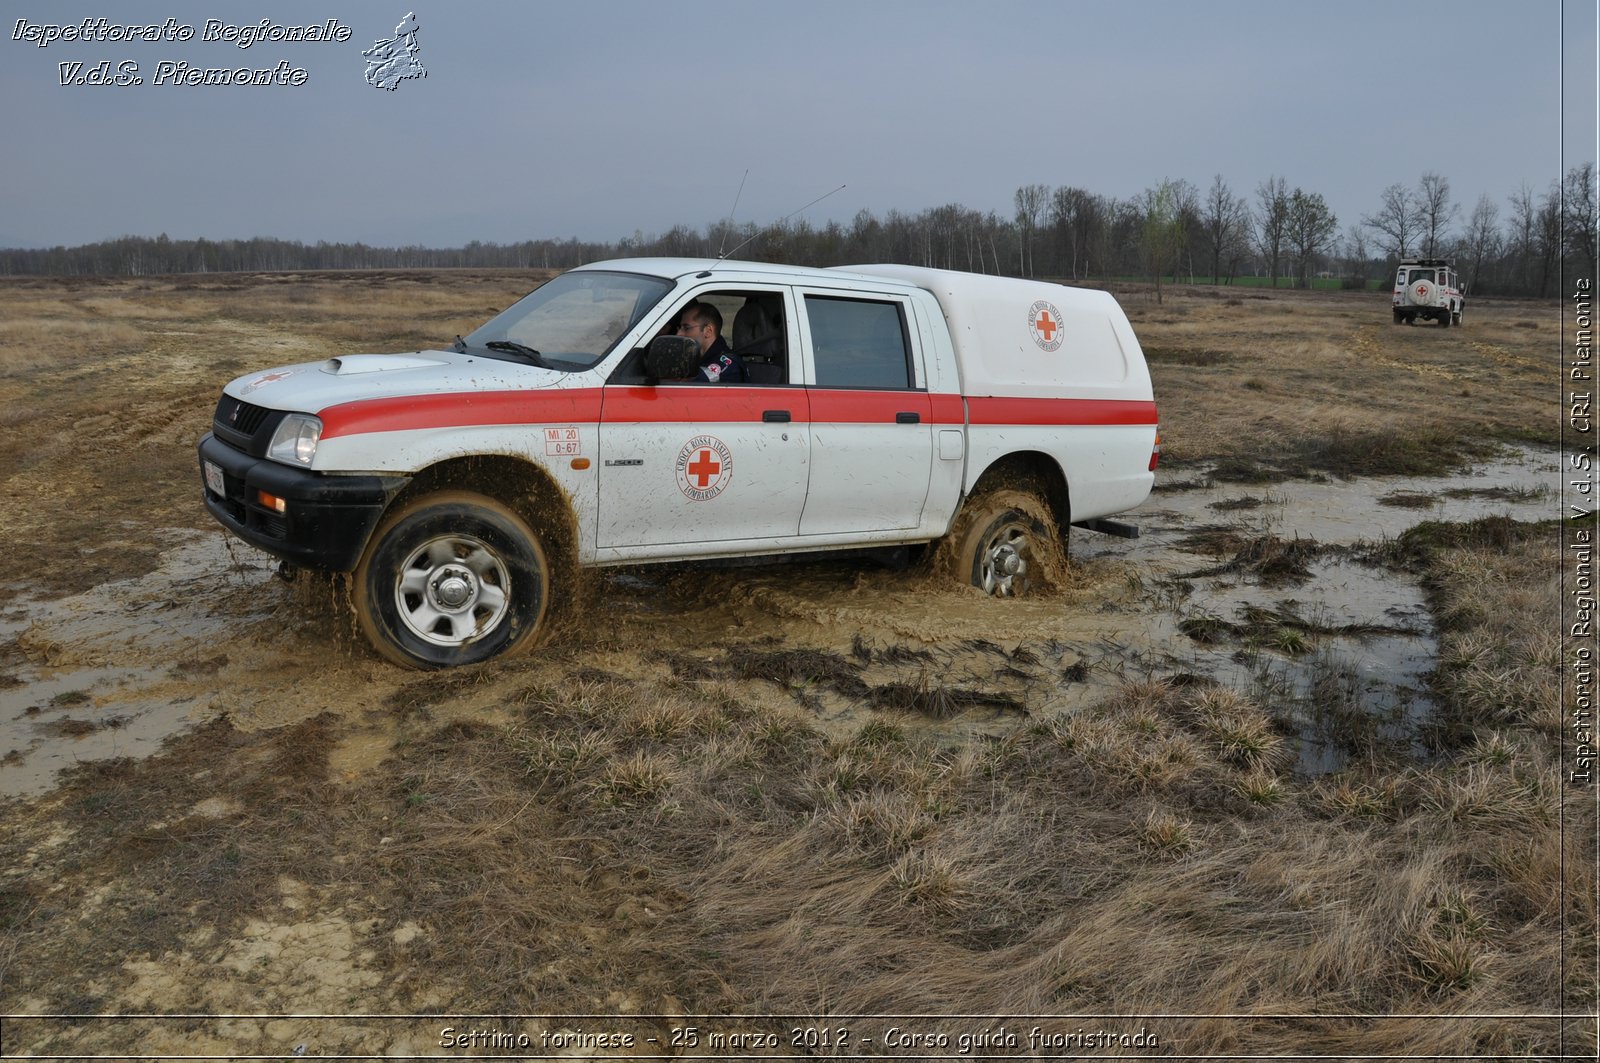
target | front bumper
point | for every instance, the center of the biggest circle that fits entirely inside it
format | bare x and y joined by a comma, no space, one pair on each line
326,521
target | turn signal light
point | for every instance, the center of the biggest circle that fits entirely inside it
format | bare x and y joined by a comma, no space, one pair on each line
272,502
1155,453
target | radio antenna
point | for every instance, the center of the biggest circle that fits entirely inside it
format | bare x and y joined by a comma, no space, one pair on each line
728,225
781,220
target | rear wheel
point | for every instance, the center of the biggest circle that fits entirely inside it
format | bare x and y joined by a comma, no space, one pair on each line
1444,318
451,578
1003,548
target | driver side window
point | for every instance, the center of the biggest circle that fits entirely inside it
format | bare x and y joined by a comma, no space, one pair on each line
753,323
755,326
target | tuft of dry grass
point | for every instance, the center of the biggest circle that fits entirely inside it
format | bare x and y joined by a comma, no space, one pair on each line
932,882
1358,799
1244,735
1164,834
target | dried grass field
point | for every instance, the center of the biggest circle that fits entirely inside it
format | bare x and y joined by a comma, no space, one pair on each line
777,802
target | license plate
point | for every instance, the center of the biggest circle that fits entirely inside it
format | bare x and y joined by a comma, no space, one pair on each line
214,482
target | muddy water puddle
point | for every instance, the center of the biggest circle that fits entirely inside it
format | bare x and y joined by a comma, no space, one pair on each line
1336,648
118,669
1265,590
79,716
1262,589
1341,660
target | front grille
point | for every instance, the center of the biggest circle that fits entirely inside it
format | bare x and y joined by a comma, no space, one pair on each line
245,426
235,415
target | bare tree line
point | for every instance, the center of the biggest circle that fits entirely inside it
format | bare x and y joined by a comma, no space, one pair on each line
1169,232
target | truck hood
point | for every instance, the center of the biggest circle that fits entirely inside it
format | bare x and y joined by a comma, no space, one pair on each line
312,387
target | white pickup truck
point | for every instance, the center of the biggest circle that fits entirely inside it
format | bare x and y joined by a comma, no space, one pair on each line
886,405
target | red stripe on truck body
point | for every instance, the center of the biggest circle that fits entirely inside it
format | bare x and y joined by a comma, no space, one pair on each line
724,403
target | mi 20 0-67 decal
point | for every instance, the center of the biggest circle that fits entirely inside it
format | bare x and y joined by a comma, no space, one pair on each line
705,468
562,442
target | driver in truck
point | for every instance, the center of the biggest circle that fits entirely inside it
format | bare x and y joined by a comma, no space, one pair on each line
718,364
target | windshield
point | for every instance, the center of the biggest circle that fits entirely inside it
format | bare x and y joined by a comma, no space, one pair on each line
571,322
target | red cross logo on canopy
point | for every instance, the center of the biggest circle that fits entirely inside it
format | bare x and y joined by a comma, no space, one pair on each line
1044,325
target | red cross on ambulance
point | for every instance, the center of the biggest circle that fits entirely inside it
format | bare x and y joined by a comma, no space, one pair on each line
1045,325
704,468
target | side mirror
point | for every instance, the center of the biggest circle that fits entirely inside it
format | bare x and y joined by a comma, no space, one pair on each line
672,358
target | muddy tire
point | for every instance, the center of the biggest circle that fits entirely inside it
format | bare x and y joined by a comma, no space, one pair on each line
1444,319
1003,543
451,578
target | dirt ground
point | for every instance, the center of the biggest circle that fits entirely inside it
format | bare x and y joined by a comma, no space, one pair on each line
803,809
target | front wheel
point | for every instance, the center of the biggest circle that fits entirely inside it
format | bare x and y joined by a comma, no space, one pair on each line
451,578
1006,545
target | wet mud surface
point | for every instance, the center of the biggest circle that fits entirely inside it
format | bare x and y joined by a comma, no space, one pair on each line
1278,590
1301,607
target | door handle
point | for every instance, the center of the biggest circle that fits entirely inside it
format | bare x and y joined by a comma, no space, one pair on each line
775,416
905,417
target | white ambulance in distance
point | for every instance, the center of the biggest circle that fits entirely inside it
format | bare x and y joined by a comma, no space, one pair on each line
1427,288
887,405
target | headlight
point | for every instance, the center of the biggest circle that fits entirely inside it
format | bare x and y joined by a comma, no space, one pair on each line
295,441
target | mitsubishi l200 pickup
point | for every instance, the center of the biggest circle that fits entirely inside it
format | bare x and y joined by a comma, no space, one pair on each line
884,405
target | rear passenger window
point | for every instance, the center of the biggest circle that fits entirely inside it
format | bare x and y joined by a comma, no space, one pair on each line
859,343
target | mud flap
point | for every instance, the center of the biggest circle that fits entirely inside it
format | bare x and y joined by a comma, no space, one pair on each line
1109,527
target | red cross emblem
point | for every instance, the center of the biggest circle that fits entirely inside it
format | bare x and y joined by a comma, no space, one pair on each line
268,378
1044,325
704,468
1422,291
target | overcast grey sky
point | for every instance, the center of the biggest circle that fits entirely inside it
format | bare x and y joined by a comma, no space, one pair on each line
598,119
